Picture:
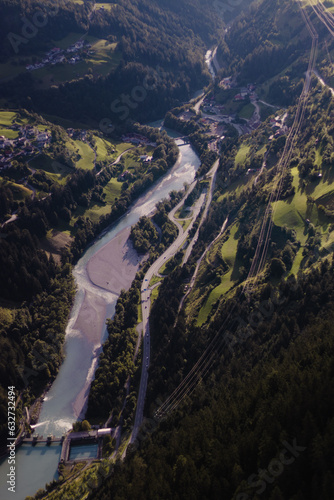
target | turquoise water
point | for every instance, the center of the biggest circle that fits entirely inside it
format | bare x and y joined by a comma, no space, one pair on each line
36,466
83,451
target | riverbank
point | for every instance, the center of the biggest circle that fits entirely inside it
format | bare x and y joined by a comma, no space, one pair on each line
111,269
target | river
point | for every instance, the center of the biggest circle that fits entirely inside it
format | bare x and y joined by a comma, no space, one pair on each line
65,402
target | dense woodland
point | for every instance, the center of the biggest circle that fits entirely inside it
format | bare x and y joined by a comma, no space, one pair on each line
43,290
269,386
31,345
268,391
276,387
117,364
268,42
160,42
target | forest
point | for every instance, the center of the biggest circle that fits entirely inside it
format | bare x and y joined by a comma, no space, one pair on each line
42,290
161,43
239,402
234,427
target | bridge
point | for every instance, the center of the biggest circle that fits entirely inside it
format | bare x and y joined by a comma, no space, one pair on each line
83,437
39,439
182,141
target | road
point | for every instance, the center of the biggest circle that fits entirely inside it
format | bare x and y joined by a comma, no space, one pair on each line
13,217
192,282
154,271
269,105
146,301
323,14
203,365
118,159
211,174
323,82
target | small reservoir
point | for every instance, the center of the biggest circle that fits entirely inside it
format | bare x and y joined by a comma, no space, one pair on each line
83,451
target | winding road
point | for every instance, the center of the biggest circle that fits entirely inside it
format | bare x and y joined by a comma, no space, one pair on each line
146,290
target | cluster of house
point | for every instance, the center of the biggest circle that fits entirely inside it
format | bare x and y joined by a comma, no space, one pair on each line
137,139
278,126
81,135
248,91
30,141
210,106
227,83
57,55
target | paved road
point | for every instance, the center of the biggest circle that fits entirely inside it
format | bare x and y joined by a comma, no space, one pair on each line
118,159
212,173
192,281
154,270
146,302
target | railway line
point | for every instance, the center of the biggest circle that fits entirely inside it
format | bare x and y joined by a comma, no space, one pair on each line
215,347
323,14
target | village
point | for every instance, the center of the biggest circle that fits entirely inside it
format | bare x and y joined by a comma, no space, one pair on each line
215,117
72,55
30,142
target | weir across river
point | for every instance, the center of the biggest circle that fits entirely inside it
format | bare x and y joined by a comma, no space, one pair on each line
83,437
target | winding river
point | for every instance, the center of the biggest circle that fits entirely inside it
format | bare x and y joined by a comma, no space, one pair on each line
94,303
86,331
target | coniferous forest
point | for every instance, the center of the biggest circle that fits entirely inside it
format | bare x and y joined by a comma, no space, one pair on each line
223,347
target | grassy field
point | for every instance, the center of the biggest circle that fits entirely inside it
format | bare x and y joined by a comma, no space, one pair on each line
101,149
10,134
20,192
294,211
318,158
103,59
154,280
140,314
54,170
94,212
7,118
86,153
154,294
185,224
106,6
162,269
112,190
242,154
228,252
121,147
247,112
262,150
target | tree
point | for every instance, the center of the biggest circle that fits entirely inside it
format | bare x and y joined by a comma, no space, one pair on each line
277,268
